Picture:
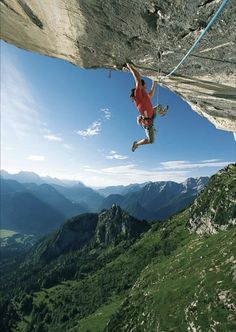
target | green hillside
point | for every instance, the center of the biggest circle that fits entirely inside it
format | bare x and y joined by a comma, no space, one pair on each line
192,290
166,279
14,244
67,303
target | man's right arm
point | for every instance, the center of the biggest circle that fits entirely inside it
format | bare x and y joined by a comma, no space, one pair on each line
135,74
152,91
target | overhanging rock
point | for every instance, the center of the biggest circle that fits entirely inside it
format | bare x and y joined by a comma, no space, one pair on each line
108,33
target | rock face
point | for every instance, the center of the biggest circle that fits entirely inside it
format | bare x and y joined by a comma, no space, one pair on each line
215,207
115,225
154,35
109,227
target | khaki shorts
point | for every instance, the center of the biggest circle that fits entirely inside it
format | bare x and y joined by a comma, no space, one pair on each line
150,133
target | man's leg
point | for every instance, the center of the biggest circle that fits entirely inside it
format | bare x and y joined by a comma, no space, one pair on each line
150,133
141,142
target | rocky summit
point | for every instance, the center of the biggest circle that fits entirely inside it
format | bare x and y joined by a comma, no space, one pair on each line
153,35
109,227
115,225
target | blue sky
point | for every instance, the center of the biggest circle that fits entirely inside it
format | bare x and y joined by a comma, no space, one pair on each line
71,123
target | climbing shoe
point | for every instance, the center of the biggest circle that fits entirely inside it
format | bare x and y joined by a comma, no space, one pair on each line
134,147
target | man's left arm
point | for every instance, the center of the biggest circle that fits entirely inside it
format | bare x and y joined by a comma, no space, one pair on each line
152,91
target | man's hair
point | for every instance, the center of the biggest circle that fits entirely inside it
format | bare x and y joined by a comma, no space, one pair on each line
132,93
143,82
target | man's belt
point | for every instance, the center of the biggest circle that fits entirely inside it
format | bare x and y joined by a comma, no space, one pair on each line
144,118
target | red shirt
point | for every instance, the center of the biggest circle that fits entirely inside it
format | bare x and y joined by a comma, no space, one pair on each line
143,102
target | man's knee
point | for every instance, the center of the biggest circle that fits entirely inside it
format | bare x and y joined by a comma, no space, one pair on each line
150,135
150,140
147,141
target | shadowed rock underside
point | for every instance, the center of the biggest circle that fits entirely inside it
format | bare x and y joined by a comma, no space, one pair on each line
153,35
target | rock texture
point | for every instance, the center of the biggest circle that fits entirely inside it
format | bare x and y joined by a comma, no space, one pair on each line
215,207
154,35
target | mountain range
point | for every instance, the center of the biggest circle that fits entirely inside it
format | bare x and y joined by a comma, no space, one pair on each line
158,200
109,271
33,209
31,177
32,206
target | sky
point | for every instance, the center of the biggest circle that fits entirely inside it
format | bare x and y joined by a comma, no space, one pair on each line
71,123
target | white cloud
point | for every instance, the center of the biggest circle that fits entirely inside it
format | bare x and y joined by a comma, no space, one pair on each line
36,157
21,111
174,164
92,130
96,127
69,147
107,113
124,169
114,155
117,156
56,138
177,170
7,148
130,173
210,160
182,164
19,108
53,138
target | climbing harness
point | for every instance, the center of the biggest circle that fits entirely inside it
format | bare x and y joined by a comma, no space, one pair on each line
217,13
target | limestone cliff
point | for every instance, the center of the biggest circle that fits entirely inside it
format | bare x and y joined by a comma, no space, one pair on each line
154,35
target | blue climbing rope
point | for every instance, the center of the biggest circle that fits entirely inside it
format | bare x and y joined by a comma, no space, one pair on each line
217,13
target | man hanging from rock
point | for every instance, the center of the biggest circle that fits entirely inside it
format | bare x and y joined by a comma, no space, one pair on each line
143,103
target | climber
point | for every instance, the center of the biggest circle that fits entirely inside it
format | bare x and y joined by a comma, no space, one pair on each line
143,103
